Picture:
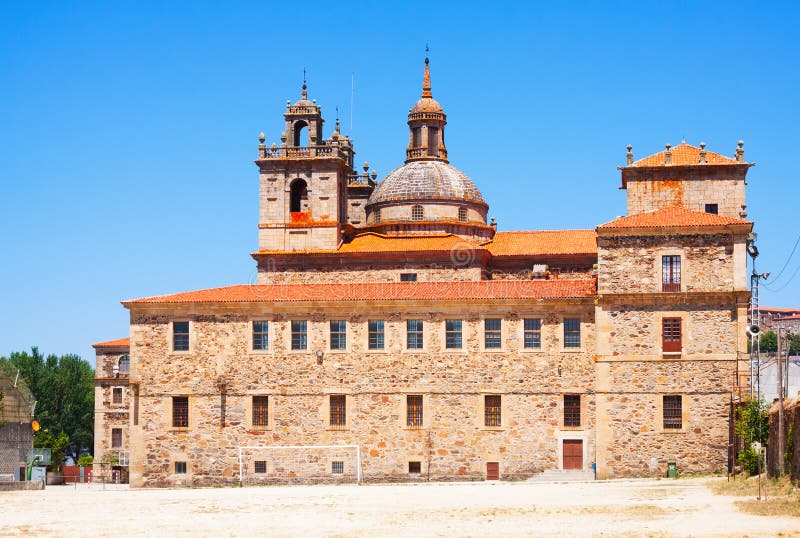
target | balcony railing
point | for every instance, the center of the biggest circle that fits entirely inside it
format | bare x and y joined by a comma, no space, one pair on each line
671,287
300,152
426,116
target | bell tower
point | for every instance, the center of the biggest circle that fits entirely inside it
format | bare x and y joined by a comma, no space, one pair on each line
426,121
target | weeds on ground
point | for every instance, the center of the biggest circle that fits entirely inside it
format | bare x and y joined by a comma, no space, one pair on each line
782,497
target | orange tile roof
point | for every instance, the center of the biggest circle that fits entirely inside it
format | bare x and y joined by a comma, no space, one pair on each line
373,242
777,309
120,342
543,242
682,155
387,291
787,318
671,217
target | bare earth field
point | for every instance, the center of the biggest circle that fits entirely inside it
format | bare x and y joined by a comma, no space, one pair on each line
683,507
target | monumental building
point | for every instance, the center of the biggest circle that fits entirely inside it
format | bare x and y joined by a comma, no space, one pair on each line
395,335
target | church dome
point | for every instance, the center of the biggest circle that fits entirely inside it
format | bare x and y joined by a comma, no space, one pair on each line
421,181
426,104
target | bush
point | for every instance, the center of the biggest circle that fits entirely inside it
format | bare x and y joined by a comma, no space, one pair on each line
752,425
85,460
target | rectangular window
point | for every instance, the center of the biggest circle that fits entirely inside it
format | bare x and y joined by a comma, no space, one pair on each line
671,335
338,334
452,334
338,410
414,410
712,208
414,467
533,333
116,437
180,336
492,332
299,334
671,273
337,467
180,467
414,332
260,335
180,411
260,410
376,335
408,277
572,410
260,466
491,410
116,396
572,332
673,411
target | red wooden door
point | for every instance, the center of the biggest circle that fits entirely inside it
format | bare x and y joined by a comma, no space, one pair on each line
492,470
572,450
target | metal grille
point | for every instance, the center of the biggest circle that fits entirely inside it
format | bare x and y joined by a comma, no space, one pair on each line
572,332
673,410
414,329
260,335
491,410
414,410
671,273
671,334
338,334
572,410
337,467
417,212
376,339
299,334
180,335
462,214
452,334
338,410
260,466
180,467
492,330
533,333
180,411
260,410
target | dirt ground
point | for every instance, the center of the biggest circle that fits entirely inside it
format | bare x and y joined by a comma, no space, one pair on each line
683,507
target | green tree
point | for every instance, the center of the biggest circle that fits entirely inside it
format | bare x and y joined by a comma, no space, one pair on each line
57,443
794,345
768,343
752,425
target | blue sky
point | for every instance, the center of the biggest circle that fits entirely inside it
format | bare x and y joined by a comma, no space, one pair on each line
129,129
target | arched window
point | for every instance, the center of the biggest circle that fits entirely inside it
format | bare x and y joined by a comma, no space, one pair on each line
300,133
417,213
124,364
377,216
299,194
462,214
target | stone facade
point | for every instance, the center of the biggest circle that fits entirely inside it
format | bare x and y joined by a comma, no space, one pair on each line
113,400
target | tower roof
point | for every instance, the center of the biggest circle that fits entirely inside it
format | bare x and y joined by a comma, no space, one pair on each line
426,102
684,155
422,181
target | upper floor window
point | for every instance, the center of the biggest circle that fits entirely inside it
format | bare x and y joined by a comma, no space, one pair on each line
433,141
338,412
671,335
417,213
414,333
116,437
414,410
452,334
671,273
492,331
298,196
416,137
408,277
712,208
376,334
260,335
299,334
124,364
491,410
180,336
533,333
260,410
116,395
572,410
338,334
673,412
377,216
180,411
572,332
462,214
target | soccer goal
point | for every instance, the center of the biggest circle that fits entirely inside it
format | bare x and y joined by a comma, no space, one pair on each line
301,464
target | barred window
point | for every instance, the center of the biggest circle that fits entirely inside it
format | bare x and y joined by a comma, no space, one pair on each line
572,332
180,336
377,216
337,467
452,334
338,410
533,333
260,410
414,333
116,395
671,273
572,410
260,466
338,334
180,411
260,335
299,334
116,437
462,214
376,334
180,467
491,410
671,335
417,212
414,410
492,331
673,412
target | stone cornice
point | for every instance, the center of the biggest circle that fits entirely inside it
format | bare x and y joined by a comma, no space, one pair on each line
687,297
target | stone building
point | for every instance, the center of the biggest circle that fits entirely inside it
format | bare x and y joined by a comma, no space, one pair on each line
112,406
392,317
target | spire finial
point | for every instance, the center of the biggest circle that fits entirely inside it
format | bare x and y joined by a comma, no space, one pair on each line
337,120
426,77
629,155
304,93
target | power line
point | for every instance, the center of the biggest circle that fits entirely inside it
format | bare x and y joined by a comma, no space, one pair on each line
791,278
785,265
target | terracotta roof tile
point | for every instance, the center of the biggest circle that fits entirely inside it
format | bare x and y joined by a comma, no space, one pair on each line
120,342
787,318
670,217
388,291
684,154
544,242
373,242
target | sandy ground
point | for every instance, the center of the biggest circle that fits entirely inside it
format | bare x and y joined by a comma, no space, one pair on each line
682,507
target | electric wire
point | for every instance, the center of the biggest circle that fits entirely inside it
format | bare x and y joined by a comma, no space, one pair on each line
791,278
786,264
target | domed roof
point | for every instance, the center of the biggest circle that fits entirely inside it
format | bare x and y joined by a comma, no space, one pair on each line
426,104
421,181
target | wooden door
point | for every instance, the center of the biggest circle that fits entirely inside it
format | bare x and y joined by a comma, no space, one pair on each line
492,470
572,450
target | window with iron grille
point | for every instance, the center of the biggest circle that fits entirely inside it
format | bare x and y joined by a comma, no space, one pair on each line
491,410
337,467
572,332
180,336
452,334
572,410
671,273
260,410
533,333
408,277
376,334
116,437
180,467
260,335
417,212
492,330
180,411
299,334
673,412
671,335
124,364
414,467
414,333
414,410
462,214
338,334
377,216
338,410
712,208
260,466
116,395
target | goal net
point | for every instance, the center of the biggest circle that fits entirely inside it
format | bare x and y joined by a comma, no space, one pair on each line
302,464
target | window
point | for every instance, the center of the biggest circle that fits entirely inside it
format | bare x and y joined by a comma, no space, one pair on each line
375,334
433,141
491,410
116,395
671,335
414,328
671,273
180,467
712,208
408,277
452,334
299,334
260,335
338,334
414,410
572,410
260,410
417,212
533,333
492,331
414,467
416,137
180,411
673,411
298,196
260,466
116,437
572,332
124,364
377,216
462,214
180,336
337,467
338,410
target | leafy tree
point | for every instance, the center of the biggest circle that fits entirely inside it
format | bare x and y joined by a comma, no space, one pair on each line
85,460
794,345
768,343
57,443
751,426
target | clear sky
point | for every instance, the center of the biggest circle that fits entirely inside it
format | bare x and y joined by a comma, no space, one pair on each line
128,129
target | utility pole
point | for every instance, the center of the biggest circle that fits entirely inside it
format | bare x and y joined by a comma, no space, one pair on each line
781,436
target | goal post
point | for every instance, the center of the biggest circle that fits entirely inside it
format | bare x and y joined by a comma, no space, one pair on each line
299,464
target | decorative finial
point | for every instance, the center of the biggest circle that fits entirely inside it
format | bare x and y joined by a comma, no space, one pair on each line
366,166
668,155
629,155
337,120
304,93
261,137
740,151
426,77
703,153
427,50
374,175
